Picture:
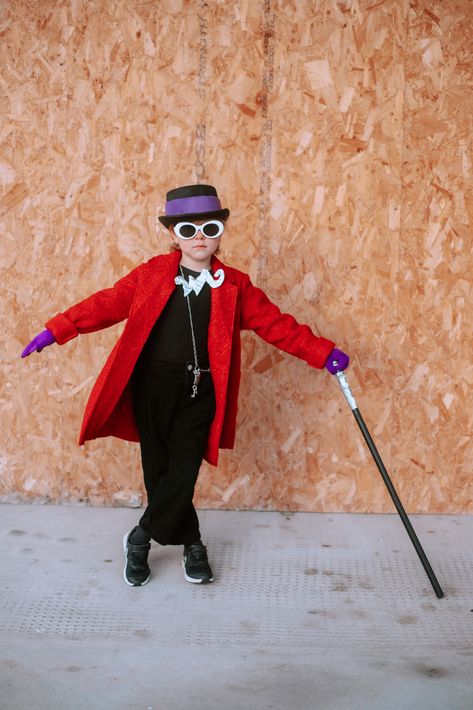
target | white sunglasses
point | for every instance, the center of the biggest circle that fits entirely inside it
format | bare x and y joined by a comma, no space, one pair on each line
188,230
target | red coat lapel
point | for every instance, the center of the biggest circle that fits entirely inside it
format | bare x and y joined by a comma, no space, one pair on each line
220,342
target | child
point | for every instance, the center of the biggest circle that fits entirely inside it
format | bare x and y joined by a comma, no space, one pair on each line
171,382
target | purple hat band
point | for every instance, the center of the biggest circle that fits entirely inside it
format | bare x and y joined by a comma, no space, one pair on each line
189,205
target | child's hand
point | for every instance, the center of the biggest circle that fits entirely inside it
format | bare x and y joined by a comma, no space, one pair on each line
337,361
39,342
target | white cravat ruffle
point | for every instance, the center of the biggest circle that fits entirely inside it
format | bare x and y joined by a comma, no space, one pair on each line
197,284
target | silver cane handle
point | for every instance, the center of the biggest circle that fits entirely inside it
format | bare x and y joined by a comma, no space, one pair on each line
345,387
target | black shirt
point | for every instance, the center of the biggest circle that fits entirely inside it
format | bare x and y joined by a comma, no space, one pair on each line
171,337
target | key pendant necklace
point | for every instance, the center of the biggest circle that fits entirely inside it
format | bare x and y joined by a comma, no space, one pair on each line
197,371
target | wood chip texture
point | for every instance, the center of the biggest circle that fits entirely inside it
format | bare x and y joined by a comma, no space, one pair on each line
339,134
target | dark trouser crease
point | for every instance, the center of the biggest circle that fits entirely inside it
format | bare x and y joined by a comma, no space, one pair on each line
173,430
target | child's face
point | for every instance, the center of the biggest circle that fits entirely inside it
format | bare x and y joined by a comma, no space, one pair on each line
199,249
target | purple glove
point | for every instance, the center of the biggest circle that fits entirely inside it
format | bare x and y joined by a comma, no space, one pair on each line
39,342
337,361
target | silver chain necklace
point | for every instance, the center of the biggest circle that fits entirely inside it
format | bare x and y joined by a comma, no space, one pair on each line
197,371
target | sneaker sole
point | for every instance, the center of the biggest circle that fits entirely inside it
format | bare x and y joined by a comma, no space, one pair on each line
125,550
192,580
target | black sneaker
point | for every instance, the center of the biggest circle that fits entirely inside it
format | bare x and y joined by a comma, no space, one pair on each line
136,571
196,565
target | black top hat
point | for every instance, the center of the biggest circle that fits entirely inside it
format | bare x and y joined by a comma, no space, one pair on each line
192,202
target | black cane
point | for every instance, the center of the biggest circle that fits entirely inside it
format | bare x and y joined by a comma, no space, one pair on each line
389,484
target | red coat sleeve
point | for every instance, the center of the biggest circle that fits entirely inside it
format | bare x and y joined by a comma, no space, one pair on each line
281,329
101,310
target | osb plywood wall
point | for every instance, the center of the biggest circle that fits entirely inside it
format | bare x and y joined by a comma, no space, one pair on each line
339,135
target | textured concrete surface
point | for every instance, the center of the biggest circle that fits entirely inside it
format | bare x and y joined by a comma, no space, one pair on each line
306,611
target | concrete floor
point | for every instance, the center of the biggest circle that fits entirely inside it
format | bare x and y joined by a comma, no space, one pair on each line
307,611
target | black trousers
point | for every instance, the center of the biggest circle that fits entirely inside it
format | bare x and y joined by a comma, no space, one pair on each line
173,430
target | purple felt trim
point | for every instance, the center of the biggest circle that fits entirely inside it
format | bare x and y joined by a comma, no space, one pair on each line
188,205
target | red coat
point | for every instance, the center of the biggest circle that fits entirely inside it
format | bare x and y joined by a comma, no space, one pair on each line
140,298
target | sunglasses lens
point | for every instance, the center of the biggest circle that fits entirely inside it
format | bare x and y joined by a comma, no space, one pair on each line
185,230
212,230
